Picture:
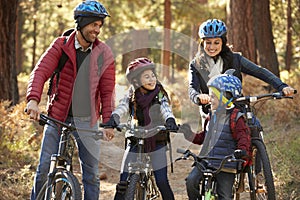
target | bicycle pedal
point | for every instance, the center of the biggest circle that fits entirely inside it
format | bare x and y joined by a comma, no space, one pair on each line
261,190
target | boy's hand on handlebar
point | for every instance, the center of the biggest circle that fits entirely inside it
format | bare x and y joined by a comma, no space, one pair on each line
288,91
32,109
203,99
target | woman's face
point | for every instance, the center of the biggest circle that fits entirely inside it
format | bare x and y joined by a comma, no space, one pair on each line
212,46
148,79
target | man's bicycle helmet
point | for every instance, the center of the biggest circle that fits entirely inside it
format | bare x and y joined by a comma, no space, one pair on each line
90,8
212,28
137,66
226,83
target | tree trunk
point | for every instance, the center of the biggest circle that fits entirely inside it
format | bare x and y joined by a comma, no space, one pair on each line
264,40
167,40
289,45
240,28
8,77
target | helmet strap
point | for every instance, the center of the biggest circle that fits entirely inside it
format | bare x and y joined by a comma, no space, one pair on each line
83,36
223,99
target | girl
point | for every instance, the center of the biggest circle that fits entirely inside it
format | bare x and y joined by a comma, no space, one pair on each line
148,105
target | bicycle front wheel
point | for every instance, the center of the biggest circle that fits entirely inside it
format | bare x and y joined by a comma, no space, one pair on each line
65,186
262,173
135,190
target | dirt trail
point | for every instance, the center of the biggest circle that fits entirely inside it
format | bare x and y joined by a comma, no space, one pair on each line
111,157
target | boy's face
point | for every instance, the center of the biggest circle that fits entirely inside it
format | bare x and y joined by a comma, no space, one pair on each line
213,100
148,79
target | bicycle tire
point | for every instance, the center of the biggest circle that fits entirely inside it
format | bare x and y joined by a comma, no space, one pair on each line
65,186
135,191
263,178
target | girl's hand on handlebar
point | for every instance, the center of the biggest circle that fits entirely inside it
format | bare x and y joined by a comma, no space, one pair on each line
108,134
288,91
204,98
32,109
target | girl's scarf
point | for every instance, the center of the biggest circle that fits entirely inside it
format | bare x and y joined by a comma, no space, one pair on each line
144,102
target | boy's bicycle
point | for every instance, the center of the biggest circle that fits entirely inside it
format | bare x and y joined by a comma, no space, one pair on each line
140,181
61,182
260,177
208,186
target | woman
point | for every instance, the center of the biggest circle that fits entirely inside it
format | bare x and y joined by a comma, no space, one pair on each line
147,105
215,57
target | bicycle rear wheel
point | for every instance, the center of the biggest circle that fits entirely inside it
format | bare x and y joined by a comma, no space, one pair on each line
65,186
261,173
135,191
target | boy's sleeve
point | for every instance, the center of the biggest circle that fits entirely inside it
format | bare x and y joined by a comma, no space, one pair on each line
243,135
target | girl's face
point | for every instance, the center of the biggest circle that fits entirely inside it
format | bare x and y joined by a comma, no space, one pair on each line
148,79
213,100
212,46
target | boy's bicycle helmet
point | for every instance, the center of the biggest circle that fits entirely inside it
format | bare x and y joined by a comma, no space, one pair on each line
137,66
227,83
212,28
90,8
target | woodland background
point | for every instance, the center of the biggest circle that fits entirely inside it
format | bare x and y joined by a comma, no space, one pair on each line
266,32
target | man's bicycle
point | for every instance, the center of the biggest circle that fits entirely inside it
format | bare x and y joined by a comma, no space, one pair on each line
260,177
61,182
140,181
208,186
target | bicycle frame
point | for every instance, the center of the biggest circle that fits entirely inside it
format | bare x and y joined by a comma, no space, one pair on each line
142,165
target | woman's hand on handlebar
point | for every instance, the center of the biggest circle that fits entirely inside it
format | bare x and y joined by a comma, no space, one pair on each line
203,98
32,109
288,91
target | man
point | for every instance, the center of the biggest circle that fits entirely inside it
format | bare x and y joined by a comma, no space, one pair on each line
80,94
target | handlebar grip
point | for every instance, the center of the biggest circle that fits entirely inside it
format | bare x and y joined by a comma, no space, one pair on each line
179,150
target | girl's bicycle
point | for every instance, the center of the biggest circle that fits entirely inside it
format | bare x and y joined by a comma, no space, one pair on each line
208,186
140,181
61,182
260,177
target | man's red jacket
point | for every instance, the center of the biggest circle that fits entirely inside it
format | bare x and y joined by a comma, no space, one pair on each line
102,79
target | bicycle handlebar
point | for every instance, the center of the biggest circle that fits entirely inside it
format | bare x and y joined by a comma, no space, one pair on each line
275,95
187,153
140,130
44,120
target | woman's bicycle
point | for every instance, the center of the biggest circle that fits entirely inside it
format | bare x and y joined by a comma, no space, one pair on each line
61,182
260,177
208,186
140,181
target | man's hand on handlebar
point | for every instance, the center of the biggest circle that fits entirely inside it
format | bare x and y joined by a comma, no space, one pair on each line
32,109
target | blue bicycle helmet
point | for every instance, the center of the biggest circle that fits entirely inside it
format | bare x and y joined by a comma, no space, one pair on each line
226,83
212,28
90,8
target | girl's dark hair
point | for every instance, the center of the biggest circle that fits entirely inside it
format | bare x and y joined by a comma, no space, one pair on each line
132,98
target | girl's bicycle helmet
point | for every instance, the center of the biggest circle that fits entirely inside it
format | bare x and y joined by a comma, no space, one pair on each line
212,28
226,83
90,8
137,66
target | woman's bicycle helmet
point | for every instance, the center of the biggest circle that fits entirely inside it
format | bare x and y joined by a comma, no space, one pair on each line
90,8
212,28
226,83
137,66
